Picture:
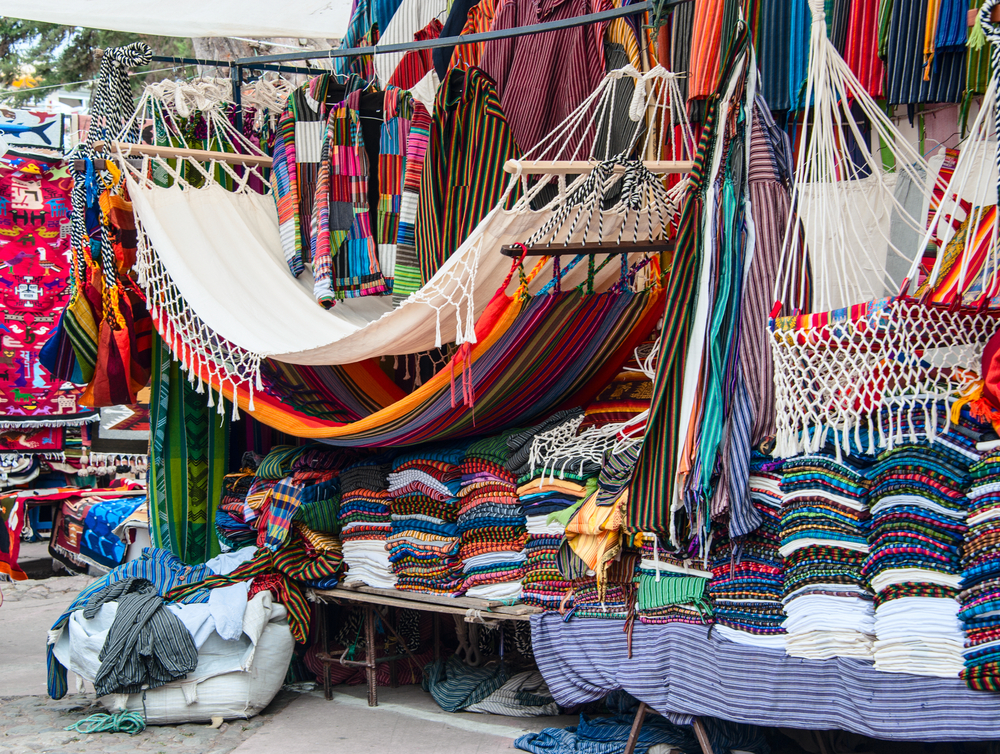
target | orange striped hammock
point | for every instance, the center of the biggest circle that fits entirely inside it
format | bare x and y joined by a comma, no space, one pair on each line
533,355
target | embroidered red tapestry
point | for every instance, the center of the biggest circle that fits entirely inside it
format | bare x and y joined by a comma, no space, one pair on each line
35,272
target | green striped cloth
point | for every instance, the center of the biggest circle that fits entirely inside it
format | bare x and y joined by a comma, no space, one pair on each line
188,455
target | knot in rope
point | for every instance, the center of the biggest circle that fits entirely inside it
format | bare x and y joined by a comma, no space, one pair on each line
130,55
818,9
991,30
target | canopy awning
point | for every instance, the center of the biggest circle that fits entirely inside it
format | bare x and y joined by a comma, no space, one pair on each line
313,19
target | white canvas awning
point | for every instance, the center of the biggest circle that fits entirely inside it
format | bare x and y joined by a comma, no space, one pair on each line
314,19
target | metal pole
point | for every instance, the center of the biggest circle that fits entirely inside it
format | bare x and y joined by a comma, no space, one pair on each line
428,44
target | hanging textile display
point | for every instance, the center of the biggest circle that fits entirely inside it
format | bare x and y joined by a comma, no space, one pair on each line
188,455
654,489
35,276
225,333
470,141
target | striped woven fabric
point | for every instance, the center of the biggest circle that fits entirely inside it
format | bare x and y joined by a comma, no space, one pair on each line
407,271
293,179
531,355
415,64
397,109
653,482
463,178
277,522
188,455
480,19
345,256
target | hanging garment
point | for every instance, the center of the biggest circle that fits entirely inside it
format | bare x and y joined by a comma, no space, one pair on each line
681,33
458,15
406,273
905,70
416,64
470,140
861,46
362,31
542,78
409,19
479,20
773,42
297,146
345,258
654,489
188,456
770,176
706,44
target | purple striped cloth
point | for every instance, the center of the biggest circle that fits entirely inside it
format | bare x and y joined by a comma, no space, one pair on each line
681,671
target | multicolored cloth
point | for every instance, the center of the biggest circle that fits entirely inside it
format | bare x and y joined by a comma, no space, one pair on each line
13,514
344,253
35,286
188,456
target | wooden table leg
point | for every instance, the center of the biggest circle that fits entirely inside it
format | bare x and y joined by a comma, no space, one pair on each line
702,735
324,640
370,665
633,736
437,636
392,663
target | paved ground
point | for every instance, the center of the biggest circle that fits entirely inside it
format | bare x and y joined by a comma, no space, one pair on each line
407,719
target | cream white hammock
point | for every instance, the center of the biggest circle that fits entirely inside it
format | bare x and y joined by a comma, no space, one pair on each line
863,229
211,265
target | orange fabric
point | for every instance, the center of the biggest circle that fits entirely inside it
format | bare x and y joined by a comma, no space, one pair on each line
706,48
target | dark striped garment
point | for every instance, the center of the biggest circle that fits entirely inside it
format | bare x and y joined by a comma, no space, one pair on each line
463,175
543,78
147,646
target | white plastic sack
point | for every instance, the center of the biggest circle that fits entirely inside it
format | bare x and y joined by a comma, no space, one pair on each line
233,678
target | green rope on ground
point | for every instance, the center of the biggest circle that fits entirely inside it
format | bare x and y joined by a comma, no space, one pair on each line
119,722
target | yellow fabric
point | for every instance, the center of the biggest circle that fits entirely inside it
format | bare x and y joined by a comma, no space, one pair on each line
594,534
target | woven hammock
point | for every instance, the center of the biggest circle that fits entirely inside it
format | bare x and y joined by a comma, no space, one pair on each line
871,347
211,266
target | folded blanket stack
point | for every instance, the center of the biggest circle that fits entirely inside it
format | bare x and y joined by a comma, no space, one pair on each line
980,585
824,544
423,547
490,523
671,587
748,577
547,497
366,523
918,510
234,519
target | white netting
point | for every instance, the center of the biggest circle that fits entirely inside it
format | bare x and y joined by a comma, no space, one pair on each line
193,343
853,373
834,381
564,448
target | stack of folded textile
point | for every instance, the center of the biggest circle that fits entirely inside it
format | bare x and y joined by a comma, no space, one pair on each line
548,498
490,523
824,544
424,544
366,523
671,587
918,511
615,600
747,584
234,520
980,595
